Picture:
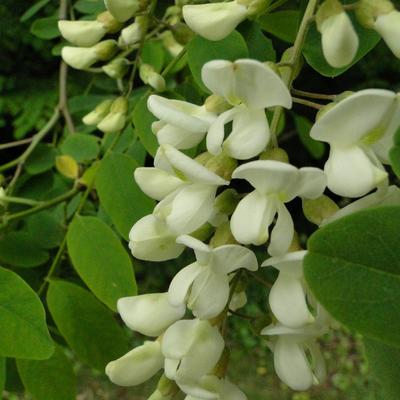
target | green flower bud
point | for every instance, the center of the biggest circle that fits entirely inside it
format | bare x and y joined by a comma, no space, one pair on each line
319,209
222,236
216,104
115,120
227,201
286,71
106,49
109,22
95,116
275,154
182,33
222,165
149,76
368,11
116,68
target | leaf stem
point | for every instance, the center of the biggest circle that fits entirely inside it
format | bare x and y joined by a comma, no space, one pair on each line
311,95
307,103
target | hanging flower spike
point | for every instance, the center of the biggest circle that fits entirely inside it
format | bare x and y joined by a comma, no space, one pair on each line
149,314
290,346
211,387
339,38
360,132
250,87
150,239
287,297
182,125
191,349
275,183
214,21
204,285
187,194
137,366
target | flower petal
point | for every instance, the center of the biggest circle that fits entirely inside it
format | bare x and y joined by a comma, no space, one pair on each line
288,302
156,183
290,264
388,26
282,233
268,176
230,257
258,86
311,183
149,314
180,285
250,134
137,366
218,76
252,217
179,138
291,364
351,173
202,251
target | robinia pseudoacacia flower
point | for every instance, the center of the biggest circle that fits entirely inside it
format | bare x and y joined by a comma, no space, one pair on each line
359,130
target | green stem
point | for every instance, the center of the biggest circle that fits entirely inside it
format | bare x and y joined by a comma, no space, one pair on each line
307,103
175,61
311,95
15,144
275,5
36,139
19,200
294,62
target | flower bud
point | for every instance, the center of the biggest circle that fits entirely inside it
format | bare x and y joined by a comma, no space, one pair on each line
222,165
222,236
339,39
95,116
286,72
182,33
368,11
82,33
169,42
116,68
227,201
319,209
256,7
166,389
149,76
2,196
137,366
388,26
109,22
214,21
115,120
149,314
216,104
106,49
67,166
134,33
79,57
122,10
275,154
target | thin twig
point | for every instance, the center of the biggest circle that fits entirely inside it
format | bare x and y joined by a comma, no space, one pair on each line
311,95
15,144
307,103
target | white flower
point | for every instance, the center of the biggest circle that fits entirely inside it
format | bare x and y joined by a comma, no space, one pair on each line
383,196
211,387
287,297
206,280
290,347
250,87
149,314
122,10
182,125
339,40
191,349
133,33
360,132
388,26
186,189
137,366
82,33
150,239
275,183
214,21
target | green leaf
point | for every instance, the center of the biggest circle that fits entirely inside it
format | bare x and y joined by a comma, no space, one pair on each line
119,194
51,379
88,327
384,361
45,28
89,6
260,47
353,268
2,373
394,156
20,250
200,51
46,230
23,329
315,58
81,147
100,260
282,24
31,11
153,53
42,159
314,147
142,120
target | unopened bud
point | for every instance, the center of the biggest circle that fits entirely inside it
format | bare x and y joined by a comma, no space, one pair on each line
109,22
167,387
106,49
82,33
3,203
319,209
170,43
115,120
222,165
287,72
216,104
275,154
122,10
95,116
149,76
227,201
135,32
116,68
257,7
339,38
67,166
204,232
182,33
222,236
368,11
388,26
